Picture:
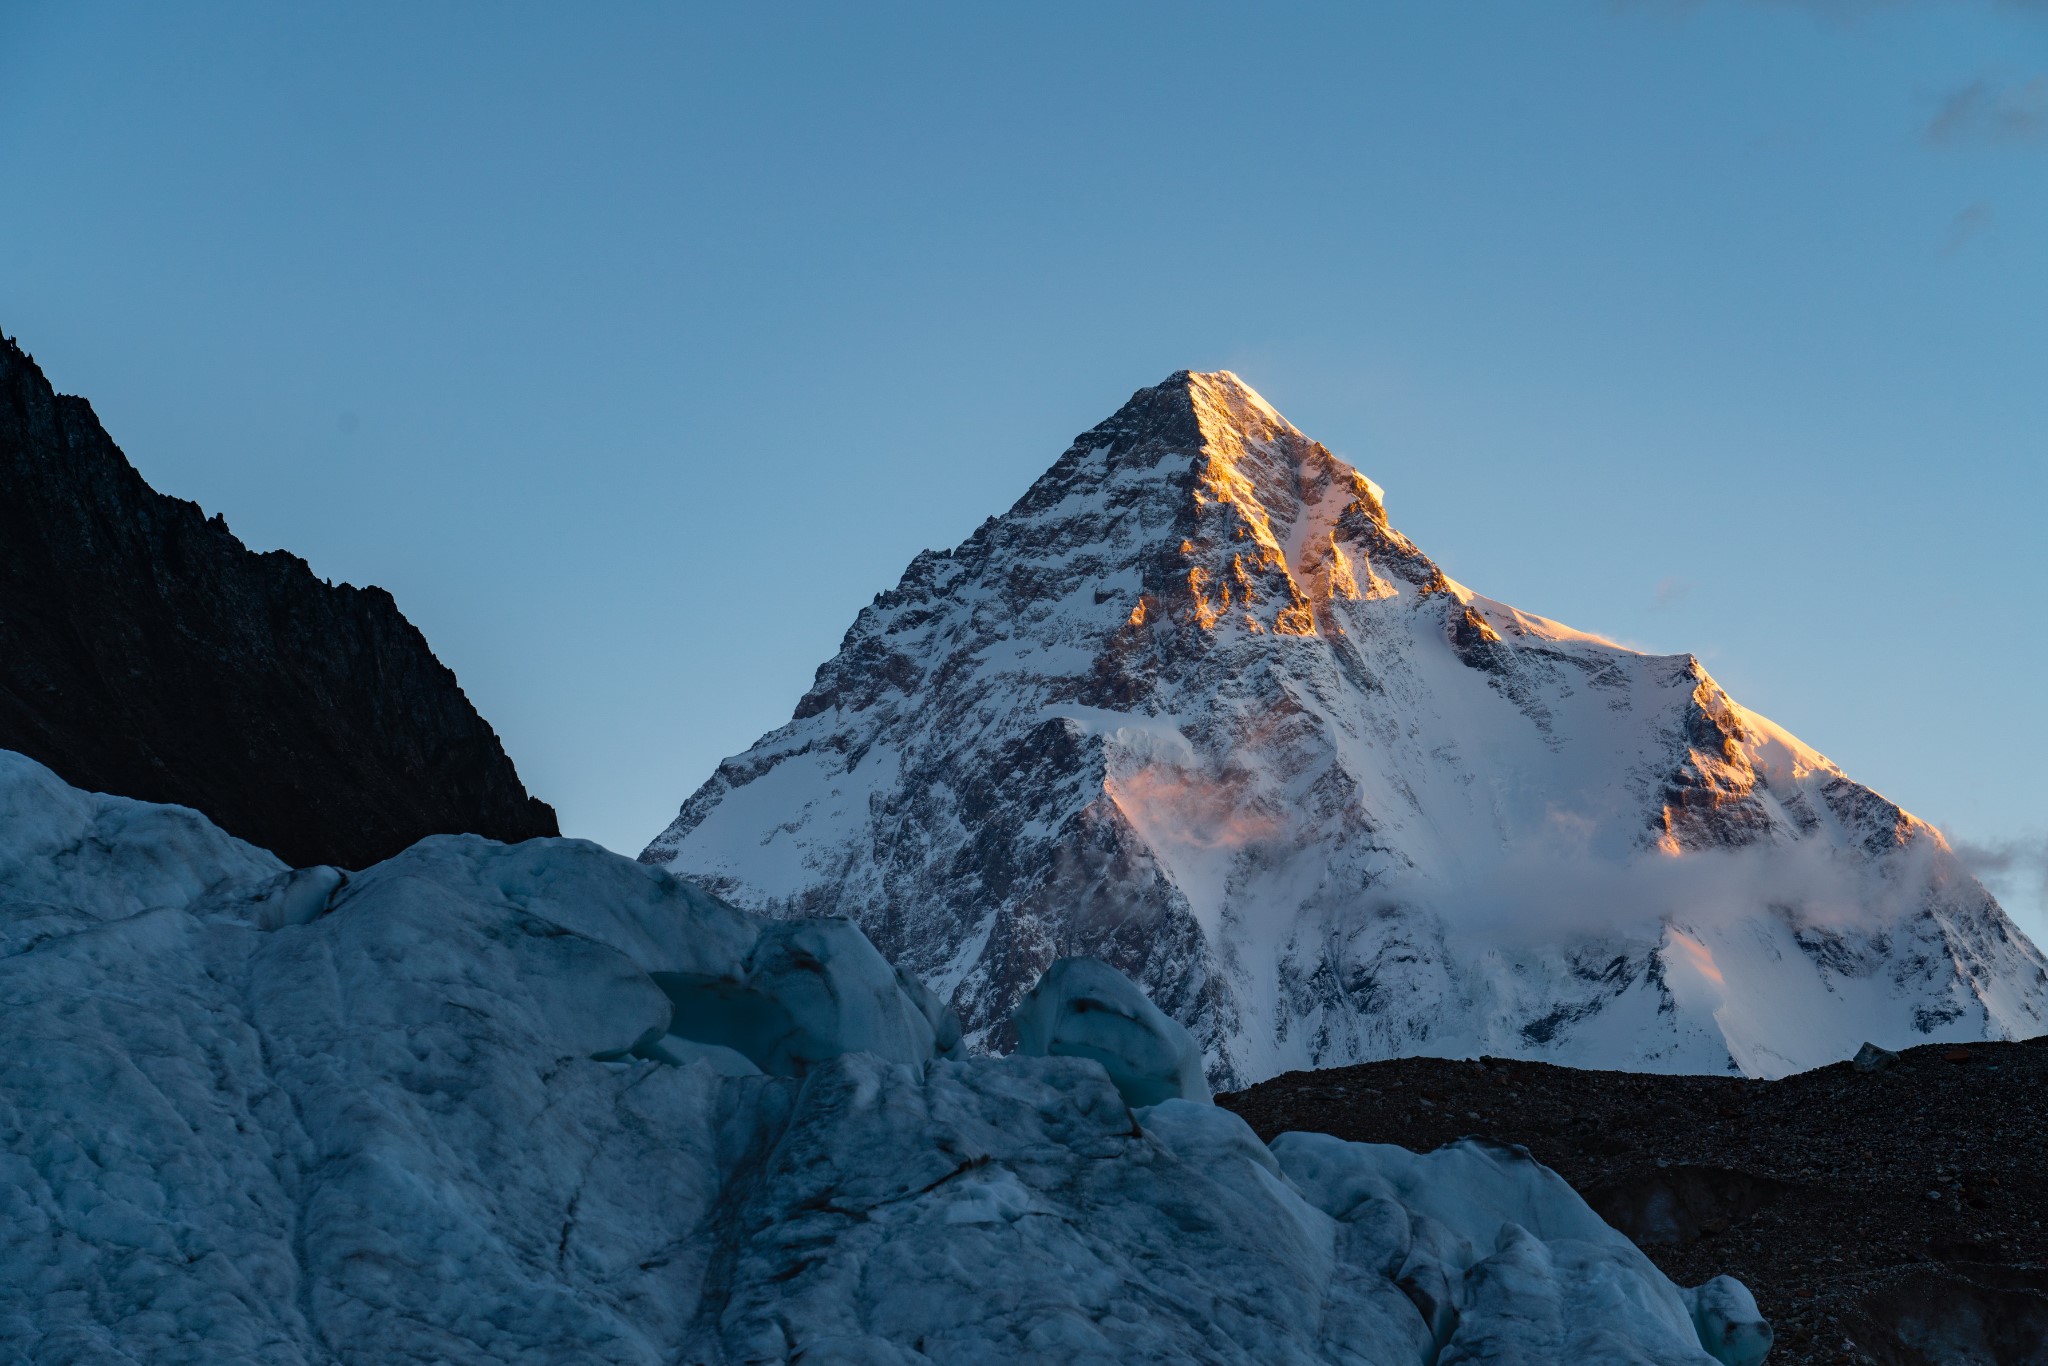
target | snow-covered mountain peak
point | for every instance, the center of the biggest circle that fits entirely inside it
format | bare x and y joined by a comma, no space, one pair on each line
1193,706
1265,510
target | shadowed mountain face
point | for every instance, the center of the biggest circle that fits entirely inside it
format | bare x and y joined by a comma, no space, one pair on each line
145,651
1194,706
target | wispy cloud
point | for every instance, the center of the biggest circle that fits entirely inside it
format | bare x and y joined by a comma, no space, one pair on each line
1842,12
1991,111
2019,865
1971,221
1670,592
1847,11
1564,887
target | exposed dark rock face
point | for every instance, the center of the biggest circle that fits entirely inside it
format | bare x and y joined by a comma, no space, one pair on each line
1895,1214
145,651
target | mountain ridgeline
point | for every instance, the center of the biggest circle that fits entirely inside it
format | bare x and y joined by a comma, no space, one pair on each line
146,652
1195,707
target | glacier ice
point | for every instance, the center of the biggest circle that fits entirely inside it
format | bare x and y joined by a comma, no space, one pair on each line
69,859
1725,1315
806,991
460,1107
296,898
1084,1008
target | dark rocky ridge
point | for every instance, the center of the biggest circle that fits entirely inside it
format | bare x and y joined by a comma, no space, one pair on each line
145,651
1893,1216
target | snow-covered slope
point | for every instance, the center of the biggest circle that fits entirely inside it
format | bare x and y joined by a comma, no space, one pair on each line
1194,706
492,1104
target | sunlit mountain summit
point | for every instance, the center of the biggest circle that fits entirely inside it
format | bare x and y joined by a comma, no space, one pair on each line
1195,707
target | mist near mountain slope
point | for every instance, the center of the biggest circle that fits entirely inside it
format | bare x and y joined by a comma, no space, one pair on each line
1194,706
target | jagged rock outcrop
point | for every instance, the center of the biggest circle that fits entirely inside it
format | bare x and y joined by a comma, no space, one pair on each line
1193,706
145,651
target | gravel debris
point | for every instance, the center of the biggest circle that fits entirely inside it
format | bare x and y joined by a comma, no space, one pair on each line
1895,1213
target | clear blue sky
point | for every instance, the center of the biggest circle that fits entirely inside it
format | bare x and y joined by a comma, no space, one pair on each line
635,347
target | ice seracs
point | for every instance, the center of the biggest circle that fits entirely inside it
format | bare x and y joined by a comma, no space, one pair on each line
1083,1008
1724,1314
538,1103
806,991
1194,707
